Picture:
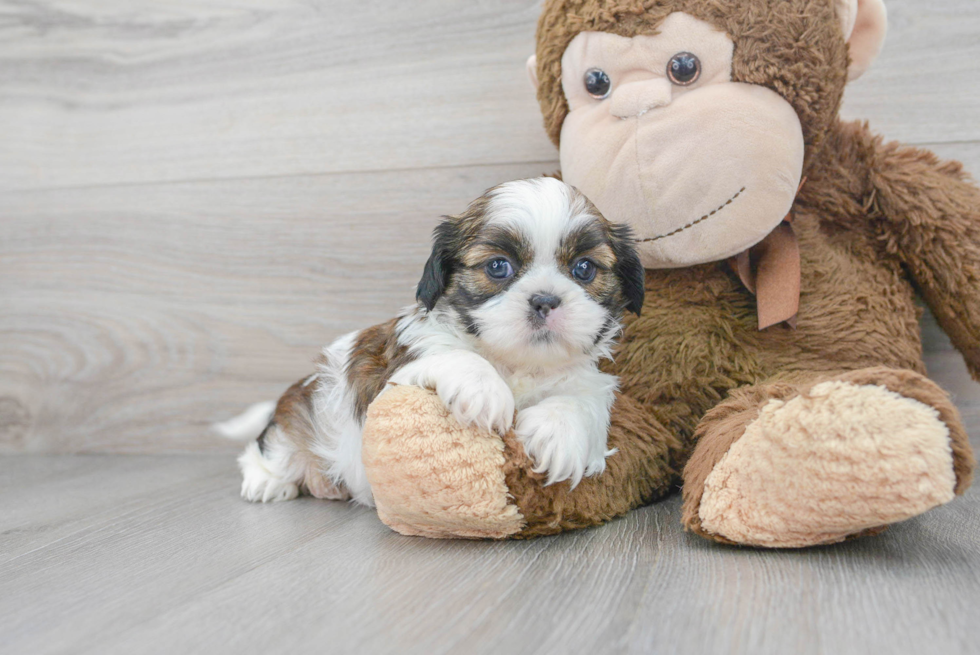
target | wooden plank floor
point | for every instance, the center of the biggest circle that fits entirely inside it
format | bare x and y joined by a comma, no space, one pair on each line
157,554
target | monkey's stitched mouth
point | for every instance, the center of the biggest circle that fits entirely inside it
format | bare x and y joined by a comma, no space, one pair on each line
695,222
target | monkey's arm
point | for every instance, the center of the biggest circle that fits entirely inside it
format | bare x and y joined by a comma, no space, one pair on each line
431,476
927,213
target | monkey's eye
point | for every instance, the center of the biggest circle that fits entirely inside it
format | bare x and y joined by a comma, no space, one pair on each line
499,269
684,69
584,270
597,83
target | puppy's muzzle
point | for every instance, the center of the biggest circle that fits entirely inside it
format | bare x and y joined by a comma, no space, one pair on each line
542,304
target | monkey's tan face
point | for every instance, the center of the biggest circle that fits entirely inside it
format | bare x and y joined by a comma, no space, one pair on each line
660,138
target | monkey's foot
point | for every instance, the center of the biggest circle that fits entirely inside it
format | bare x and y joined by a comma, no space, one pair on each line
841,459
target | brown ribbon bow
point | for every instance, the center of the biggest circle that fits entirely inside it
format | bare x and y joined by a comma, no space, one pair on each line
771,270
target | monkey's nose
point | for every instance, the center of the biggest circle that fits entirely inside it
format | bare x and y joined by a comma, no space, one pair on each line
637,98
542,304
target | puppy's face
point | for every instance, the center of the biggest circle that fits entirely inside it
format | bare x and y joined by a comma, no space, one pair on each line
534,272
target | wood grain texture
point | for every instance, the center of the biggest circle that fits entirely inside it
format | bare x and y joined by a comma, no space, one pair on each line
124,91
117,91
196,196
104,554
925,86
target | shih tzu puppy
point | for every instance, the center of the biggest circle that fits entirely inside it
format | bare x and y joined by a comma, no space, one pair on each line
520,299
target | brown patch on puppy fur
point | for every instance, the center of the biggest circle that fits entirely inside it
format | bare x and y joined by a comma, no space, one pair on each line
496,241
375,356
293,416
450,239
469,285
294,411
463,245
293,422
595,241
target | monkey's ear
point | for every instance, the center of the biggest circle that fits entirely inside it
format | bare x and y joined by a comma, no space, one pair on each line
865,23
435,276
629,270
532,71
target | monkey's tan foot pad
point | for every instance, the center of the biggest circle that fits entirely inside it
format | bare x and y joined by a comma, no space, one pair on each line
432,477
840,460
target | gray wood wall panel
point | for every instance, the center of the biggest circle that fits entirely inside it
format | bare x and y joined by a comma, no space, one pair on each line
112,91
925,86
196,196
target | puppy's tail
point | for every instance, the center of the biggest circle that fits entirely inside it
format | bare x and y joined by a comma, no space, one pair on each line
248,425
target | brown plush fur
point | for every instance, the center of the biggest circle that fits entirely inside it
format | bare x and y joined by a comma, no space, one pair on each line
927,392
876,222
697,341
726,423
430,475
794,47
697,337
869,216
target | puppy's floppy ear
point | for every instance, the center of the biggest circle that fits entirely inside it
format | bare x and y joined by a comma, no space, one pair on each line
435,276
629,270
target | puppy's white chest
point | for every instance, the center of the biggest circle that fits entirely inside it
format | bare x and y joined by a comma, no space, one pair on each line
528,389
521,385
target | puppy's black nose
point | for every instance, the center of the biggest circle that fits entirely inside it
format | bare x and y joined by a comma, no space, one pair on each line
542,304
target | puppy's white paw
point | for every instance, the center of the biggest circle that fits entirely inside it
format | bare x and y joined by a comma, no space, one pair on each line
468,386
270,490
478,396
560,443
259,484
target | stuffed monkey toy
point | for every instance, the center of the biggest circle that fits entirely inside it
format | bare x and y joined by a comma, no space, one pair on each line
775,373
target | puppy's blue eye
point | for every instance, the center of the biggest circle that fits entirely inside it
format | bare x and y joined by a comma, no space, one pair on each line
500,269
584,270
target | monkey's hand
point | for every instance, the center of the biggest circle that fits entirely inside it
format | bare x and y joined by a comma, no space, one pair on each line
432,476
927,213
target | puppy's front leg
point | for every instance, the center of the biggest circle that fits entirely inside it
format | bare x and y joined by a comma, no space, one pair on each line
467,384
565,435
